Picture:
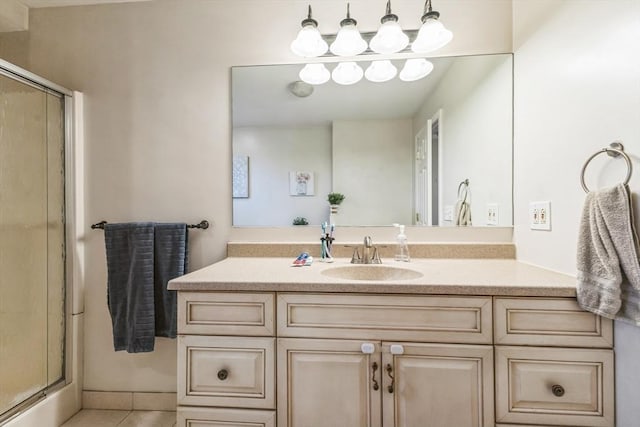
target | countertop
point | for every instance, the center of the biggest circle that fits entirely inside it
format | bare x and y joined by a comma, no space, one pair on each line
499,277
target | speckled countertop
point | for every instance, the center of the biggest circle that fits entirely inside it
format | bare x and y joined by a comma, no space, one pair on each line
500,277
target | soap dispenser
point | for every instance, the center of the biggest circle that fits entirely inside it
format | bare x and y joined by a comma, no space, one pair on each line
402,248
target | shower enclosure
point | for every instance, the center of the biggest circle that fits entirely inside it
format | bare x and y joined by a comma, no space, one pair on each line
32,240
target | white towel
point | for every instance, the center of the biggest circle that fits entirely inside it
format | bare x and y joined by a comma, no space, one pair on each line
608,267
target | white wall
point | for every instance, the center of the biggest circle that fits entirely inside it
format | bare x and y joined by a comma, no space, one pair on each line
158,131
577,88
274,152
372,167
476,101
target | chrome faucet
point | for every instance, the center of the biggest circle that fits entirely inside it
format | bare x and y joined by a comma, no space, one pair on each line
369,253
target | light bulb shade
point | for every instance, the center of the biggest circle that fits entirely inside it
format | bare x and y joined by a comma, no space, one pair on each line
348,42
380,71
314,74
309,42
431,36
415,69
389,38
347,73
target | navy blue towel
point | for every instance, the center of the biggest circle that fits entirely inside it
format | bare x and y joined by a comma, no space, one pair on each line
170,262
141,259
130,285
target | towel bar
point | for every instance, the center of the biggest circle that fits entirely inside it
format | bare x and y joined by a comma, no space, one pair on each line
615,149
203,225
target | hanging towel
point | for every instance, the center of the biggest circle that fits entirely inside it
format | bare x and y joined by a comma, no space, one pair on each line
608,267
130,291
463,205
170,262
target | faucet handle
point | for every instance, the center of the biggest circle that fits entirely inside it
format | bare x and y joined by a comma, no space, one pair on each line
376,257
355,258
367,241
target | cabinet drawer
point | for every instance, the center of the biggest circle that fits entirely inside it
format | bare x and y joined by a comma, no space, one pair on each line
570,387
226,371
215,417
549,322
416,318
213,313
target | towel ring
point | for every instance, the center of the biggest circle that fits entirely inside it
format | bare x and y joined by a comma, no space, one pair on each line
615,149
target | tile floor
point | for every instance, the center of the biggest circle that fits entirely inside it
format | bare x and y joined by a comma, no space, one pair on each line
112,418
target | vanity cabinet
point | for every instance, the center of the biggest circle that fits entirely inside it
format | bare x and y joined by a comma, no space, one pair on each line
369,378
296,359
554,364
226,360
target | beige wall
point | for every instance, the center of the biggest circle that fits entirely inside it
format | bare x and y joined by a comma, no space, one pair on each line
156,82
476,97
273,152
577,88
372,168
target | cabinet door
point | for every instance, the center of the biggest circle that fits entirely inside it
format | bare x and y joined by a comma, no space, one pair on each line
435,385
327,383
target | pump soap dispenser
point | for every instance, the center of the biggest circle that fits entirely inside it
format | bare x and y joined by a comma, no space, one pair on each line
402,248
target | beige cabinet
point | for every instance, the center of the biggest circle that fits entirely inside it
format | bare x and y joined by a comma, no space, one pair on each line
554,364
370,382
355,360
328,383
224,380
435,385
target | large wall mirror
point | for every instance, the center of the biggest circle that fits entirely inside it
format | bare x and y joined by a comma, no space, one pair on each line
398,151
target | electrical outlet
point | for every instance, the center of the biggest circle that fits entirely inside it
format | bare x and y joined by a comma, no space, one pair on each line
448,213
540,215
493,213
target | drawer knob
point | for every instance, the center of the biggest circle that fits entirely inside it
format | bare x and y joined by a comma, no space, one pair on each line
557,390
223,374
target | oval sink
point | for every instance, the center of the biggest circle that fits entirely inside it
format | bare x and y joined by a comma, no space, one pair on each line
372,272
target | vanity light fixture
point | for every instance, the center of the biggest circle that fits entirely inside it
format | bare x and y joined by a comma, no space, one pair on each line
347,73
309,42
390,38
415,69
432,34
348,41
380,71
314,74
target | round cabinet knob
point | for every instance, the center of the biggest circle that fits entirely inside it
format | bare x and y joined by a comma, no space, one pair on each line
557,390
223,374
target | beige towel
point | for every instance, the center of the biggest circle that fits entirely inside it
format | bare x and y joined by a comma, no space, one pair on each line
463,205
608,268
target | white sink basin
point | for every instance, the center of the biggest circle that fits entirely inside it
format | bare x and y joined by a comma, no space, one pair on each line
372,272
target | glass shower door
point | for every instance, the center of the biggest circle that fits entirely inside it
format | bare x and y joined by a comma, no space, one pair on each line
31,241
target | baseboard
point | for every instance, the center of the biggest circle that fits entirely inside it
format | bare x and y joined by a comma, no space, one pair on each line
127,400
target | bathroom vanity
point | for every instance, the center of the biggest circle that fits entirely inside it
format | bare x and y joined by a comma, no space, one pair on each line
447,342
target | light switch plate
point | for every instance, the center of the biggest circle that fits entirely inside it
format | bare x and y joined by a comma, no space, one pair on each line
540,215
493,213
448,213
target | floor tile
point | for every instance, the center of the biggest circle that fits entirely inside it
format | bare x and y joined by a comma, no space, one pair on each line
96,418
149,419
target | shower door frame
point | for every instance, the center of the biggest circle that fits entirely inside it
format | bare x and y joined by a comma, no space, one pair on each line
71,231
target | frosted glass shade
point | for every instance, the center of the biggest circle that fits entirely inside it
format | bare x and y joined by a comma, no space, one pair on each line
347,73
415,69
348,42
389,38
381,71
431,36
314,74
309,42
